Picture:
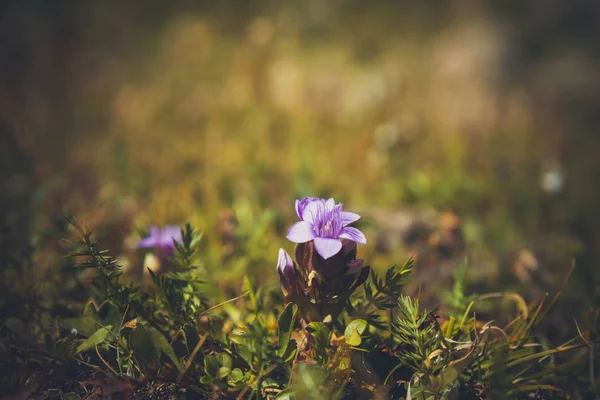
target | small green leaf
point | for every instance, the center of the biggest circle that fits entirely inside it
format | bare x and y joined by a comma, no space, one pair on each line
311,380
247,286
344,364
291,351
448,376
269,383
206,380
163,345
223,372
286,322
354,330
62,348
236,375
106,314
191,338
321,334
211,365
246,354
354,338
224,360
238,336
359,325
140,341
97,338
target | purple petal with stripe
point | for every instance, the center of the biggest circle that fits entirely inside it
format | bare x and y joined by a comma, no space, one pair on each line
349,217
353,234
310,211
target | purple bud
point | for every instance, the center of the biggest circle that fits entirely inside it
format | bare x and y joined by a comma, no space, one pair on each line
285,265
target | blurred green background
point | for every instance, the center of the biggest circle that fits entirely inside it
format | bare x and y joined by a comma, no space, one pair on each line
475,121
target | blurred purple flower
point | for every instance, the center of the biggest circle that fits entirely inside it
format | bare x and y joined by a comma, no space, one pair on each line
162,240
325,223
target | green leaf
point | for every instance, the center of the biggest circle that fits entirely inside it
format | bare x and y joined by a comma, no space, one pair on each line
269,383
238,336
290,352
191,338
97,338
144,349
223,372
312,378
354,338
448,376
224,360
163,345
321,334
85,326
246,354
206,380
236,375
344,364
354,330
211,365
106,314
286,322
62,348
247,287
92,319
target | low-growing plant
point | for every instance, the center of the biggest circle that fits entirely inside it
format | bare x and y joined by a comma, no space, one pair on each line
340,331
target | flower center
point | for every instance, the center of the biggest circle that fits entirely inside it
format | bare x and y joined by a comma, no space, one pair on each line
327,226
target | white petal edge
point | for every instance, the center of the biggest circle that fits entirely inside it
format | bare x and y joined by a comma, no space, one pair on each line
327,247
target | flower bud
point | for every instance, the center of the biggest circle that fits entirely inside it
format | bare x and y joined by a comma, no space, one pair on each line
287,272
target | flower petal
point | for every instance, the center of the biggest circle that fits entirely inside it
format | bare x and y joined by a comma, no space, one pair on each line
298,209
349,217
327,247
353,234
301,232
310,210
284,262
330,204
152,240
169,234
147,242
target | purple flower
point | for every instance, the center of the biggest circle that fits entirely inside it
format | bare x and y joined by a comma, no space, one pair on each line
325,223
162,240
